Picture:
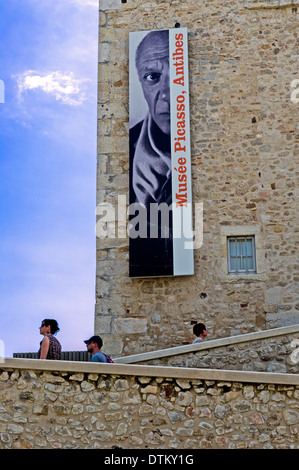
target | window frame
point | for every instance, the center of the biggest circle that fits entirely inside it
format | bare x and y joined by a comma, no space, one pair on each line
247,271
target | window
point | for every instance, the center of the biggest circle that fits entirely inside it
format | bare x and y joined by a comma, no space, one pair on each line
232,254
241,255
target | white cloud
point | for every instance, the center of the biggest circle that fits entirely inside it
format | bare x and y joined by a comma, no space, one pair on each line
86,3
63,87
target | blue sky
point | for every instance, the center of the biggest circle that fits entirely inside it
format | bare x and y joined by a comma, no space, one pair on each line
48,64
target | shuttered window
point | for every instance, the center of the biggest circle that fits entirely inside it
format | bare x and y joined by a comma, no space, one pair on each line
241,255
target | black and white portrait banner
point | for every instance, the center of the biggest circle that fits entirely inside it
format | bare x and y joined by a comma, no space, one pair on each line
161,236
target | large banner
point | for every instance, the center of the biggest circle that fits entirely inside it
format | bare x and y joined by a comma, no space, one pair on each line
160,227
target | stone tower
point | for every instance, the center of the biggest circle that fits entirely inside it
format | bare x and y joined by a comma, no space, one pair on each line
243,67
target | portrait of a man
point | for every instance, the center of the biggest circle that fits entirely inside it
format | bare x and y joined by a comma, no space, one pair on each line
150,157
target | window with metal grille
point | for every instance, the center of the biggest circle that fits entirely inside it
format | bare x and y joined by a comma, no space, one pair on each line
241,255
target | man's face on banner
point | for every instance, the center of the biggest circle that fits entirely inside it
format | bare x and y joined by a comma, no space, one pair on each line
152,63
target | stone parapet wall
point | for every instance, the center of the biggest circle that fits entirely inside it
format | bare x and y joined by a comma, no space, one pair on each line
274,350
59,404
274,355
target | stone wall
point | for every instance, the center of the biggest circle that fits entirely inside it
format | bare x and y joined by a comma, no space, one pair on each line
244,138
269,351
273,355
50,405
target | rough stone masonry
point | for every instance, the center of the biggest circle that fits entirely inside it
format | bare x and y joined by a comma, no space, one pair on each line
244,136
69,406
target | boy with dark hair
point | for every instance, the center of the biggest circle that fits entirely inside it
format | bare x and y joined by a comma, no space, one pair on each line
200,332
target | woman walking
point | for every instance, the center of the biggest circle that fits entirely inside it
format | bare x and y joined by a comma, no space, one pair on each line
50,348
